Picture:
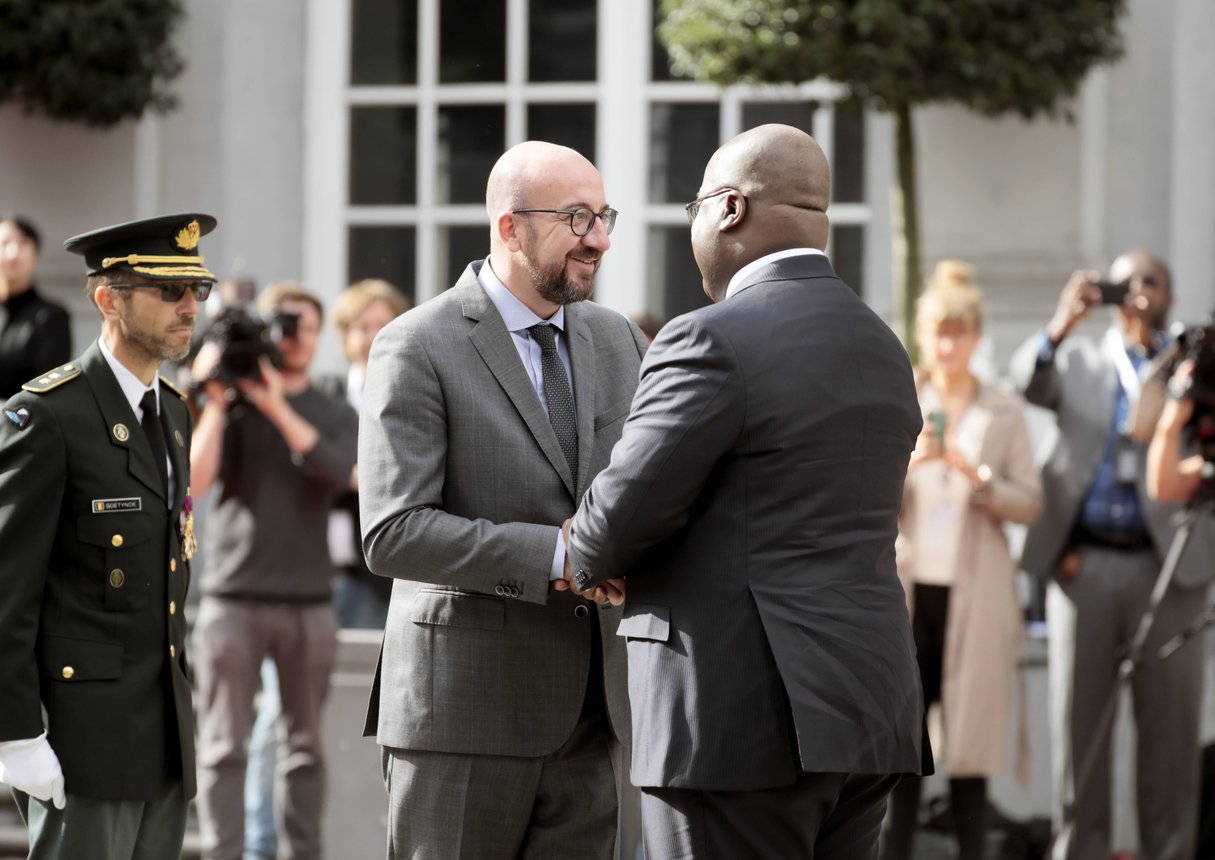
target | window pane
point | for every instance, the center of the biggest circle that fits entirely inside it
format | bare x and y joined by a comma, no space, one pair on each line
383,156
561,40
848,157
383,252
471,137
847,253
462,245
568,125
797,114
384,42
472,41
682,137
672,272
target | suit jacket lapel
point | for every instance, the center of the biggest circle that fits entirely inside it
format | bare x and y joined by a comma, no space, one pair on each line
581,345
493,342
121,423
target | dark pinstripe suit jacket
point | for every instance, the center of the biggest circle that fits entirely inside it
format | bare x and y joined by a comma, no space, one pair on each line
752,502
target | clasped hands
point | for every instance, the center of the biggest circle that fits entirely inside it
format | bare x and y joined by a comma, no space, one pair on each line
608,592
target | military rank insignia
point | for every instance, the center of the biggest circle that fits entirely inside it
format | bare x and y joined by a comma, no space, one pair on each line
20,417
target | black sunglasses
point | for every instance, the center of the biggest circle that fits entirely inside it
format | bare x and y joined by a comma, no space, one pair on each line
172,291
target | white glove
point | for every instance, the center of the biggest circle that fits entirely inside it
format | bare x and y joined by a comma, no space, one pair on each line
30,765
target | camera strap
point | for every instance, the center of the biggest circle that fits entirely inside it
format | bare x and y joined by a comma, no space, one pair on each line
1127,375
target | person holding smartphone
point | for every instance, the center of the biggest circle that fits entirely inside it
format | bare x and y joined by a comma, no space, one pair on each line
1099,545
972,470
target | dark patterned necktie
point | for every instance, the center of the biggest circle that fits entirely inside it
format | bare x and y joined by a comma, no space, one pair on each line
156,436
557,394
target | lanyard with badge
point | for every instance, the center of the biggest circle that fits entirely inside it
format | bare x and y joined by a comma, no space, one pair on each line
1126,452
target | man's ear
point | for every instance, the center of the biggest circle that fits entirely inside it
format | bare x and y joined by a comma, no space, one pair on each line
508,231
106,299
733,210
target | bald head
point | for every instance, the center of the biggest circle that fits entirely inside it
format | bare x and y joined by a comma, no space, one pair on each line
784,185
530,169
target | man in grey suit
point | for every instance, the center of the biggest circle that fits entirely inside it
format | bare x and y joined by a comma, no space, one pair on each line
751,506
490,695
1099,544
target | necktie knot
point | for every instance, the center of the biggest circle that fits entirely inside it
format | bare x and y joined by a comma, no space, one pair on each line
542,333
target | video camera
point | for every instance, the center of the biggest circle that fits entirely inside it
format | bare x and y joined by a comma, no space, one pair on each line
244,339
1194,343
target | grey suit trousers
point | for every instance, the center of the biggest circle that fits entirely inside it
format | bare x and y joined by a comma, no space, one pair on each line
1093,617
827,816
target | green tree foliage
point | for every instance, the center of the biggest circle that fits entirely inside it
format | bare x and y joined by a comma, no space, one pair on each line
997,57
92,61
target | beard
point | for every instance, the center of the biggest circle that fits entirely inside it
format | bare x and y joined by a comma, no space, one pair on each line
153,344
554,283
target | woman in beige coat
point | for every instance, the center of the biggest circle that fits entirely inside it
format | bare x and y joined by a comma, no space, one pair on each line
972,471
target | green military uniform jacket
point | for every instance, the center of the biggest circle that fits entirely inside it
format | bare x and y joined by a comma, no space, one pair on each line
93,583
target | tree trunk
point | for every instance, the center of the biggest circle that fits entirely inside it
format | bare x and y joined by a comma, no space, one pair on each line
907,232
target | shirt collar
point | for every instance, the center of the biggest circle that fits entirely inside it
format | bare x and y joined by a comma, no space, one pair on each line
516,315
746,271
132,386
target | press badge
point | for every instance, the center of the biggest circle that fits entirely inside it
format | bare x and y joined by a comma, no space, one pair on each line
111,506
1126,461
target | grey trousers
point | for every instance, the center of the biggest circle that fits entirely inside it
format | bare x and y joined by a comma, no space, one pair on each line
825,816
1092,618
89,829
454,806
230,640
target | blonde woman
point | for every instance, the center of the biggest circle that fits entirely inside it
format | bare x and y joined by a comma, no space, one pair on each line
971,472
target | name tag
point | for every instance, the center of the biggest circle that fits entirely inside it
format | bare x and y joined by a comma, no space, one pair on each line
110,506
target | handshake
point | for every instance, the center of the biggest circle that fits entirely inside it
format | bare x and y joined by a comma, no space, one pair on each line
610,591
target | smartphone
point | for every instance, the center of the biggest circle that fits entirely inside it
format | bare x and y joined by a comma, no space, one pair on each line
1114,294
937,419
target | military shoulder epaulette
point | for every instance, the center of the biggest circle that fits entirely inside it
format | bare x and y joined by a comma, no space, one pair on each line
169,385
52,379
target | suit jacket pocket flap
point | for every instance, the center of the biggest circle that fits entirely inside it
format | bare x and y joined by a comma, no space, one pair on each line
74,660
613,413
453,609
645,621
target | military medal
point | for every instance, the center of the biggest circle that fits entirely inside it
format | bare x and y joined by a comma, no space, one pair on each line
188,542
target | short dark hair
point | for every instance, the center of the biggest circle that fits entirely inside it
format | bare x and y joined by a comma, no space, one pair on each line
25,225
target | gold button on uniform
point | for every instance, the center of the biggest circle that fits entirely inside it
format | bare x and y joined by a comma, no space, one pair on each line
117,577
172,607
68,672
116,540
172,565
172,651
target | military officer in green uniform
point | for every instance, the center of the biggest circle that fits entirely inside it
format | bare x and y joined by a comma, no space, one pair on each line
96,534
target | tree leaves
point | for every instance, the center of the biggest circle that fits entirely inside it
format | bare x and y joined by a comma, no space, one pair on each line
96,62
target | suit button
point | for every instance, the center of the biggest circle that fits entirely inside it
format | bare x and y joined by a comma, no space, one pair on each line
68,672
500,591
514,592
117,578
172,607
581,610
116,540
172,565
172,651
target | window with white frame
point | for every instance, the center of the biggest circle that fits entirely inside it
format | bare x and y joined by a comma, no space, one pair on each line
434,91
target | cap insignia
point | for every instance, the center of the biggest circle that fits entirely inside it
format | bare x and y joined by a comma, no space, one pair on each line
187,236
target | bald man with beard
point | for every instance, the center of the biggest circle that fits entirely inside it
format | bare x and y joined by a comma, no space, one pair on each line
499,701
751,507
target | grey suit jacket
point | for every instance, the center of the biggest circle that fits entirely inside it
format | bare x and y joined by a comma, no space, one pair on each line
1081,388
462,491
753,504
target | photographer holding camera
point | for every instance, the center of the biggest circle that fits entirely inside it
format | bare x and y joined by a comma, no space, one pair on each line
279,451
1100,545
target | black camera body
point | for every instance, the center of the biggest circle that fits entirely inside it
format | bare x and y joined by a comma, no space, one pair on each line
1196,343
245,339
